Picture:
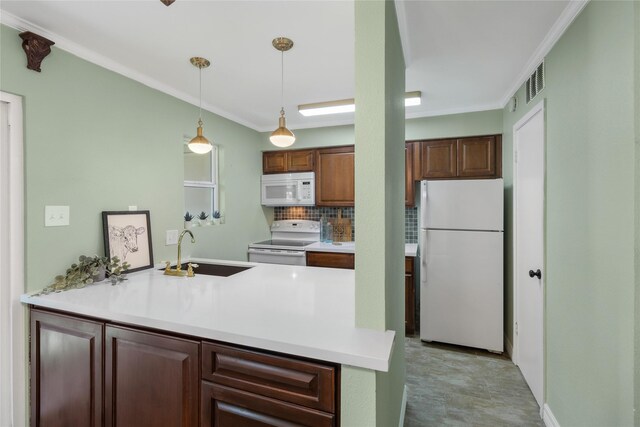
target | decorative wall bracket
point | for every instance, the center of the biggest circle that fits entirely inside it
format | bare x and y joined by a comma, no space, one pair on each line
36,47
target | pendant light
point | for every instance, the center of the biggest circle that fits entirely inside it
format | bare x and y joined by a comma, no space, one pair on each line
282,137
199,144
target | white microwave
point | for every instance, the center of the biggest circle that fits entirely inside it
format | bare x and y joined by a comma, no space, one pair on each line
289,189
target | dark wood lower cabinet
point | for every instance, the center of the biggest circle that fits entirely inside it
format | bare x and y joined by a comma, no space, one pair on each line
150,379
66,370
228,407
331,259
409,297
157,379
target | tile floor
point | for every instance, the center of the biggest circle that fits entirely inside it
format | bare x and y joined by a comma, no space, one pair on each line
457,386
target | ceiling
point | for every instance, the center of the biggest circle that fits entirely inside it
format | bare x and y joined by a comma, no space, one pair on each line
462,55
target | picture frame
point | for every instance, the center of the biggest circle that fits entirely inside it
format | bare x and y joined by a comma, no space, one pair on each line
127,235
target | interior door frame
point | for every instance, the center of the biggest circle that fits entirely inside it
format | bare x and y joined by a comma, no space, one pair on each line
17,339
538,108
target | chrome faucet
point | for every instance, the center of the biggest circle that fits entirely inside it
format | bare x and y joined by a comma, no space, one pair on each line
178,270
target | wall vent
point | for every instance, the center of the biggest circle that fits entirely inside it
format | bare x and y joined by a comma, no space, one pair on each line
535,84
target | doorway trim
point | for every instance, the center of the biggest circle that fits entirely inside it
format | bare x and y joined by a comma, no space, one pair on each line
538,108
10,296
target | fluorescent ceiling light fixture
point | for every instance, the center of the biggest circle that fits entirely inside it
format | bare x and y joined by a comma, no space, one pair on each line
348,105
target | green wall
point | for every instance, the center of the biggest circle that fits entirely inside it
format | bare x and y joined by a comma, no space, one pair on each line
589,249
95,140
452,125
637,212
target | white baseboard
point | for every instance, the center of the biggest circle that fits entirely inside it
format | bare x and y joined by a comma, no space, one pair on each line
548,418
508,346
403,408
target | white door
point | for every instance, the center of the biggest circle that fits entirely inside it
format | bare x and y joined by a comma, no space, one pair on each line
529,249
13,369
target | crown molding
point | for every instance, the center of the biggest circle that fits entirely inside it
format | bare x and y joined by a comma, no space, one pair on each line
568,15
82,52
451,111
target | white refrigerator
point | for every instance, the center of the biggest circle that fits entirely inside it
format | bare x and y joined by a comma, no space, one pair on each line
461,262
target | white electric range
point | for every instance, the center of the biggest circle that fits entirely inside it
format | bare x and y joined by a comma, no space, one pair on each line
287,243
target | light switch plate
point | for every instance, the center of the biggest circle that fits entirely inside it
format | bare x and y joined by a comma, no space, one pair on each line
56,216
172,237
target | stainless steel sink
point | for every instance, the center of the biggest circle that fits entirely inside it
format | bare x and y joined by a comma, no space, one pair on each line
222,270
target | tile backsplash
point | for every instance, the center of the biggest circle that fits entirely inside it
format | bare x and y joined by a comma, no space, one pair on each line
314,213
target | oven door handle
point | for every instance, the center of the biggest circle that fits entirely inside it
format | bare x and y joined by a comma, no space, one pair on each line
279,252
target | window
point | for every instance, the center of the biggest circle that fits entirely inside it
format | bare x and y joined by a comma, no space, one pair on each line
201,182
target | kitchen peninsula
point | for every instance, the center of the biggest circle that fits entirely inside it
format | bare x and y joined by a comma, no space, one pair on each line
266,342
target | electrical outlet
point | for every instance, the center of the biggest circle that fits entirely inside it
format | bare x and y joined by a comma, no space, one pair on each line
172,237
56,216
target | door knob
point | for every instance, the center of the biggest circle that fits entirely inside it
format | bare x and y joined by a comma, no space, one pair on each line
536,273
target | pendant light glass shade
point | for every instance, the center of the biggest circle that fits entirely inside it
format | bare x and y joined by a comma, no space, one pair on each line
199,144
282,137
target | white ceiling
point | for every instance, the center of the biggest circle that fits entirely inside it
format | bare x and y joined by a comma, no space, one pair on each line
462,55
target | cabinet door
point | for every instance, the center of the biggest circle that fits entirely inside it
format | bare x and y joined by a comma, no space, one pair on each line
438,159
222,406
300,160
274,162
409,297
409,189
66,370
331,259
150,379
477,157
335,176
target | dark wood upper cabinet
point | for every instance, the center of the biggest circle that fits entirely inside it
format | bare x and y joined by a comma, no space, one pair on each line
438,159
300,160
477,157
335,176
288,161
274,162
150,379
66,370
409,183
460,158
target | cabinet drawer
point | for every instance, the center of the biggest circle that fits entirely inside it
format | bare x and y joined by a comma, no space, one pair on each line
222,406
303,383
331,259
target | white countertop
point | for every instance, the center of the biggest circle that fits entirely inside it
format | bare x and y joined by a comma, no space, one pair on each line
302,311
410,249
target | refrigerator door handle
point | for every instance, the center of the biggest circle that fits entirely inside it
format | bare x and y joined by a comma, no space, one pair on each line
423,248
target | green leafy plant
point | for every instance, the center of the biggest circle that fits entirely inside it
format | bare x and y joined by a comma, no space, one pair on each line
87,270
188,217
203,216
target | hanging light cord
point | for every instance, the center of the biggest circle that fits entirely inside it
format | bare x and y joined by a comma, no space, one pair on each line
282,81
200,91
